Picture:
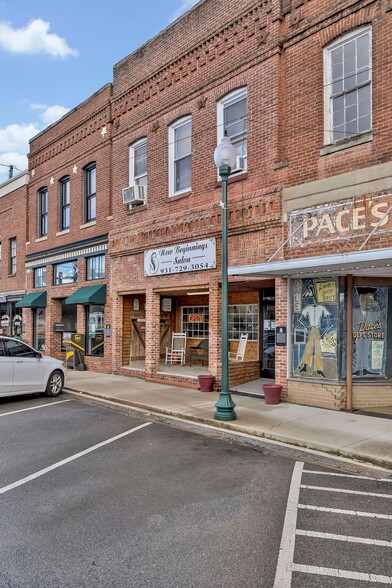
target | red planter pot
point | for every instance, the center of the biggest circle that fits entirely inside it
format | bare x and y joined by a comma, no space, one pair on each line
272,393
206,383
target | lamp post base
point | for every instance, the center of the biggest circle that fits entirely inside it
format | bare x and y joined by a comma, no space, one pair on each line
225,408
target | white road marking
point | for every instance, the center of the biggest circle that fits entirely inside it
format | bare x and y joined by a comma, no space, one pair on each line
347,476
374,515
34,407
287,544
343,491
348,538
69,459
342,574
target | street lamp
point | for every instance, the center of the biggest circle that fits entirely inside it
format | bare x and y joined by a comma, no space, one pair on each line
225,156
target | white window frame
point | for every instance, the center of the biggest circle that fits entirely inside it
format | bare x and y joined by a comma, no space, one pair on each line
134,180
328,96
172,134
227,100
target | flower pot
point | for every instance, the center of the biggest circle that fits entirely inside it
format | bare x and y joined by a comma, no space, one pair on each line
206,383
272,393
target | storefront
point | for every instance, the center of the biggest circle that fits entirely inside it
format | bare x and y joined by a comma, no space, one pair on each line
338,307
10,317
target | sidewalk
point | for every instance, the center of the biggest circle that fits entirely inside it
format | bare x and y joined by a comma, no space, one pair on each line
350,435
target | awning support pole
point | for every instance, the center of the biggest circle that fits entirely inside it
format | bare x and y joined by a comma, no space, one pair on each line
375,228
349,346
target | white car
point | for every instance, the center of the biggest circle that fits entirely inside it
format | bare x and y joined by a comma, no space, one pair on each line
23,370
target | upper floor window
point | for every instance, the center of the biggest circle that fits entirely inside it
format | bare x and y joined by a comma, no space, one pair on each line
348,85
65,273
43,212
13,255
65,194
138,163
90,211
40,276
180,155
232,117
95,267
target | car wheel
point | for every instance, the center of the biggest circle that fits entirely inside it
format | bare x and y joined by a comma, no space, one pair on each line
55,384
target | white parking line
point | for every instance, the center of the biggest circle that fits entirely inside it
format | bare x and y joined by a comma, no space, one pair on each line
69,459
34,407
344,491
287,544
358,513
348,538
347,476
341,574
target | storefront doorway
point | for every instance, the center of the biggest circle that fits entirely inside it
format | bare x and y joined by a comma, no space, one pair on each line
267,333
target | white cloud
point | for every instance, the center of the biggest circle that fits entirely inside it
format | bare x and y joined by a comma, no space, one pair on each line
33,38
185,5
53,113
16,137
12,158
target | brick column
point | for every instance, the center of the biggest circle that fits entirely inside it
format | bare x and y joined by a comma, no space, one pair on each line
117,326
215,332
153,332
52,339
281,315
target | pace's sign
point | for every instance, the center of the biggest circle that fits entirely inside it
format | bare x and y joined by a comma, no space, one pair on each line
186,257
341,220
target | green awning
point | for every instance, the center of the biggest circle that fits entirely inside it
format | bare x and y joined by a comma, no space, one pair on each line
34,300
88,295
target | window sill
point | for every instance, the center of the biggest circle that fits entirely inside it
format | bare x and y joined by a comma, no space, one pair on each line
347,143
41,239
236,178
176,197
89,224
62,233
137,209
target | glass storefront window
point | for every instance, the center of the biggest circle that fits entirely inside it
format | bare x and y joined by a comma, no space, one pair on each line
315,328
95,333
66,273
39,328
195,321
244,318
370,333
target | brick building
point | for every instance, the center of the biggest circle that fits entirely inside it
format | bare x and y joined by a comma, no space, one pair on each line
335,267
301,88
12,252
69,211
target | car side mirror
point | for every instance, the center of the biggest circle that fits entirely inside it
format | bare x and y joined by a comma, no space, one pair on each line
38,355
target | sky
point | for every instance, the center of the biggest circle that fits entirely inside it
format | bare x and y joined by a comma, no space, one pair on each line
54,55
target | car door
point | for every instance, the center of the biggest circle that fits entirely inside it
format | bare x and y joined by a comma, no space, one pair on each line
6,370
29,370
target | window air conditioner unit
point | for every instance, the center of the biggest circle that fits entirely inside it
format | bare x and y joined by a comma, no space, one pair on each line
135,195
240,163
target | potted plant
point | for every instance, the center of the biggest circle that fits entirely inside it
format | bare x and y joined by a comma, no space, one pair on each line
206,382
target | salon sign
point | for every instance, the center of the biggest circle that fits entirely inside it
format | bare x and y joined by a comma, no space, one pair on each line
185,257
341,220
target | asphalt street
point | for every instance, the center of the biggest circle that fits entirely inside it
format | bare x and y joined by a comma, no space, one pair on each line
92,497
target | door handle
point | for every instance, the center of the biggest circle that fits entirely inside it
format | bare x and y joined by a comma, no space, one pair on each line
18,361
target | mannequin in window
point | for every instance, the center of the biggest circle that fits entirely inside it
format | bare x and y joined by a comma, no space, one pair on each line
368,313
311,319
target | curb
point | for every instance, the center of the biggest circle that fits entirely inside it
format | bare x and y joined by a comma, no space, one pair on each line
274,443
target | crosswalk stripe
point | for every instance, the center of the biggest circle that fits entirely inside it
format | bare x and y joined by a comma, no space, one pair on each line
344,491
341,574
348,538
357,513
318,473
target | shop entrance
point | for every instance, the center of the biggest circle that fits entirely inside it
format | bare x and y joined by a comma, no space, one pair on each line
267,330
